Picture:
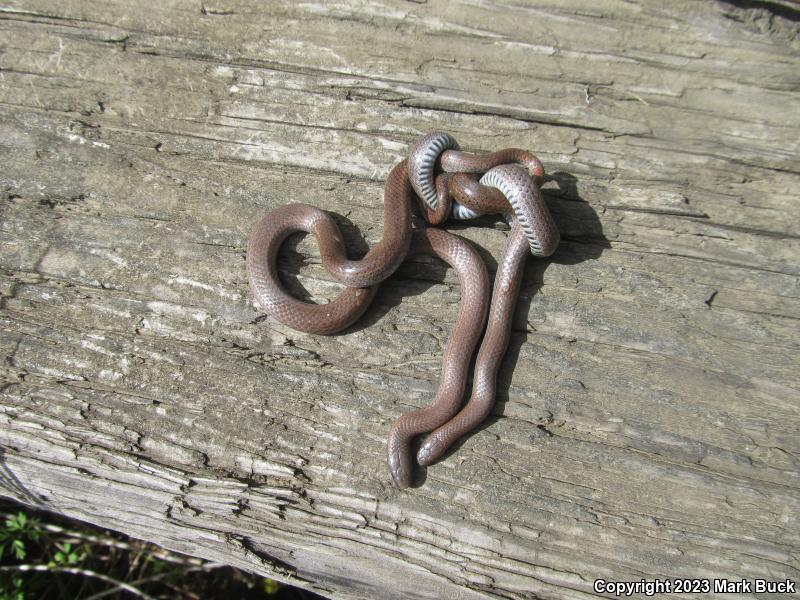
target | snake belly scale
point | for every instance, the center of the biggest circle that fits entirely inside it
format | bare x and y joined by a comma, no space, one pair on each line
443,181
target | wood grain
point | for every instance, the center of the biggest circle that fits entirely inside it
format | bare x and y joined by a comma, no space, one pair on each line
648,418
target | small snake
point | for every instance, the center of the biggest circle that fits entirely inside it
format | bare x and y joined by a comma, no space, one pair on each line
511,189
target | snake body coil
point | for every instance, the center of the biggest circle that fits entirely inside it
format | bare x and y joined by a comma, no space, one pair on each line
444,182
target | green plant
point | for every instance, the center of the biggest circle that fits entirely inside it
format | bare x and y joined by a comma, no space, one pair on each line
44,556
18,528
66,555
15,592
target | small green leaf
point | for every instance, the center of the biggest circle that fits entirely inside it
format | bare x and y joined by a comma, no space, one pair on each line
19,549
271,587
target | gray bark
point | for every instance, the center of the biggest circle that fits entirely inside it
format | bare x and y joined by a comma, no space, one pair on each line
648,417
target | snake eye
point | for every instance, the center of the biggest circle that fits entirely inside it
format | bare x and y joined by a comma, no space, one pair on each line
422,161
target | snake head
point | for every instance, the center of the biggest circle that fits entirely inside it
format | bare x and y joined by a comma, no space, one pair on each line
400,468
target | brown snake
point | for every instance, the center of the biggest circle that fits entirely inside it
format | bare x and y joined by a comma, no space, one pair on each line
504,187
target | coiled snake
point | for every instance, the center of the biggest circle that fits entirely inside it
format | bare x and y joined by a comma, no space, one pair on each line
443,181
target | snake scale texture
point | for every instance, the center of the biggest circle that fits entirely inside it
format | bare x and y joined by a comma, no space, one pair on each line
441,182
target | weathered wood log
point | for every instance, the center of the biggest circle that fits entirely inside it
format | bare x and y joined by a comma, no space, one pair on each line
648,417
